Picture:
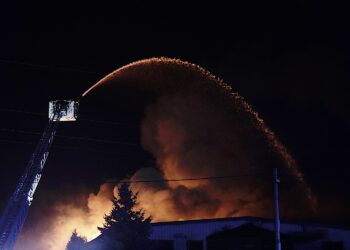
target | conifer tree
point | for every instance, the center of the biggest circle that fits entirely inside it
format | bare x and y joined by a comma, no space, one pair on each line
127,223
76,242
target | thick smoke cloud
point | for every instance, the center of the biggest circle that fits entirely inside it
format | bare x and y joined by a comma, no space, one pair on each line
195,126
60,215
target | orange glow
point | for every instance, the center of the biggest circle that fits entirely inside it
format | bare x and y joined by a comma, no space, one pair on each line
67,217
196,127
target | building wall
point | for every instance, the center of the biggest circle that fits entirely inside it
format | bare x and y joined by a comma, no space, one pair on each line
181,232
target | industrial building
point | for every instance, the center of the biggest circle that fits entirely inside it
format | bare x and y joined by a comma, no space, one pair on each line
244,233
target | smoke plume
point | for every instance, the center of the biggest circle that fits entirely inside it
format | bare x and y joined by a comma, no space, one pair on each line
194,125
198,126
57,220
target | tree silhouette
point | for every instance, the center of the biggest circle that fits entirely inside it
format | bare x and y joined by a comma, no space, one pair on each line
127,224
76,242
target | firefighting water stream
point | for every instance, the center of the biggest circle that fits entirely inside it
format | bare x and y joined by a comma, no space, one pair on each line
195,126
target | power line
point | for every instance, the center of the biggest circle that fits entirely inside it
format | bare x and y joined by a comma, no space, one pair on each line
108,122
71,137
113,142
73,148
190,179
22,111
43,66
98,140
293,178
262,174
80,119
17,142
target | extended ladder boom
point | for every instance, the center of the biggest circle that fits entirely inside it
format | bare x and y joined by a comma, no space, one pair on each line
15,213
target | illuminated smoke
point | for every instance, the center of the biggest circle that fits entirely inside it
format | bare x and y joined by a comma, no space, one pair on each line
56,224
194,126
197,126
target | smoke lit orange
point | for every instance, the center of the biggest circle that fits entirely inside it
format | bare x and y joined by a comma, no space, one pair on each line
197,126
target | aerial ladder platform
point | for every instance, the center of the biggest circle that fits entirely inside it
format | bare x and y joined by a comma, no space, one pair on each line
16,211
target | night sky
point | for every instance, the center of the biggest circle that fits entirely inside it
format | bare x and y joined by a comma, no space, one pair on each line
290,62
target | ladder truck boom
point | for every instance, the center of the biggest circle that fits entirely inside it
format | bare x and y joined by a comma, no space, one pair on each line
16,211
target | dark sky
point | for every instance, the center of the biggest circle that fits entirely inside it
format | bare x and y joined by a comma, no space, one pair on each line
290,61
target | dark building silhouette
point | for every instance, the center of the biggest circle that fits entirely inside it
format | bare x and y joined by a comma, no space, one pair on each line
243,233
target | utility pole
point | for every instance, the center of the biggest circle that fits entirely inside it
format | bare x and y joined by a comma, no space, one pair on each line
277,212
